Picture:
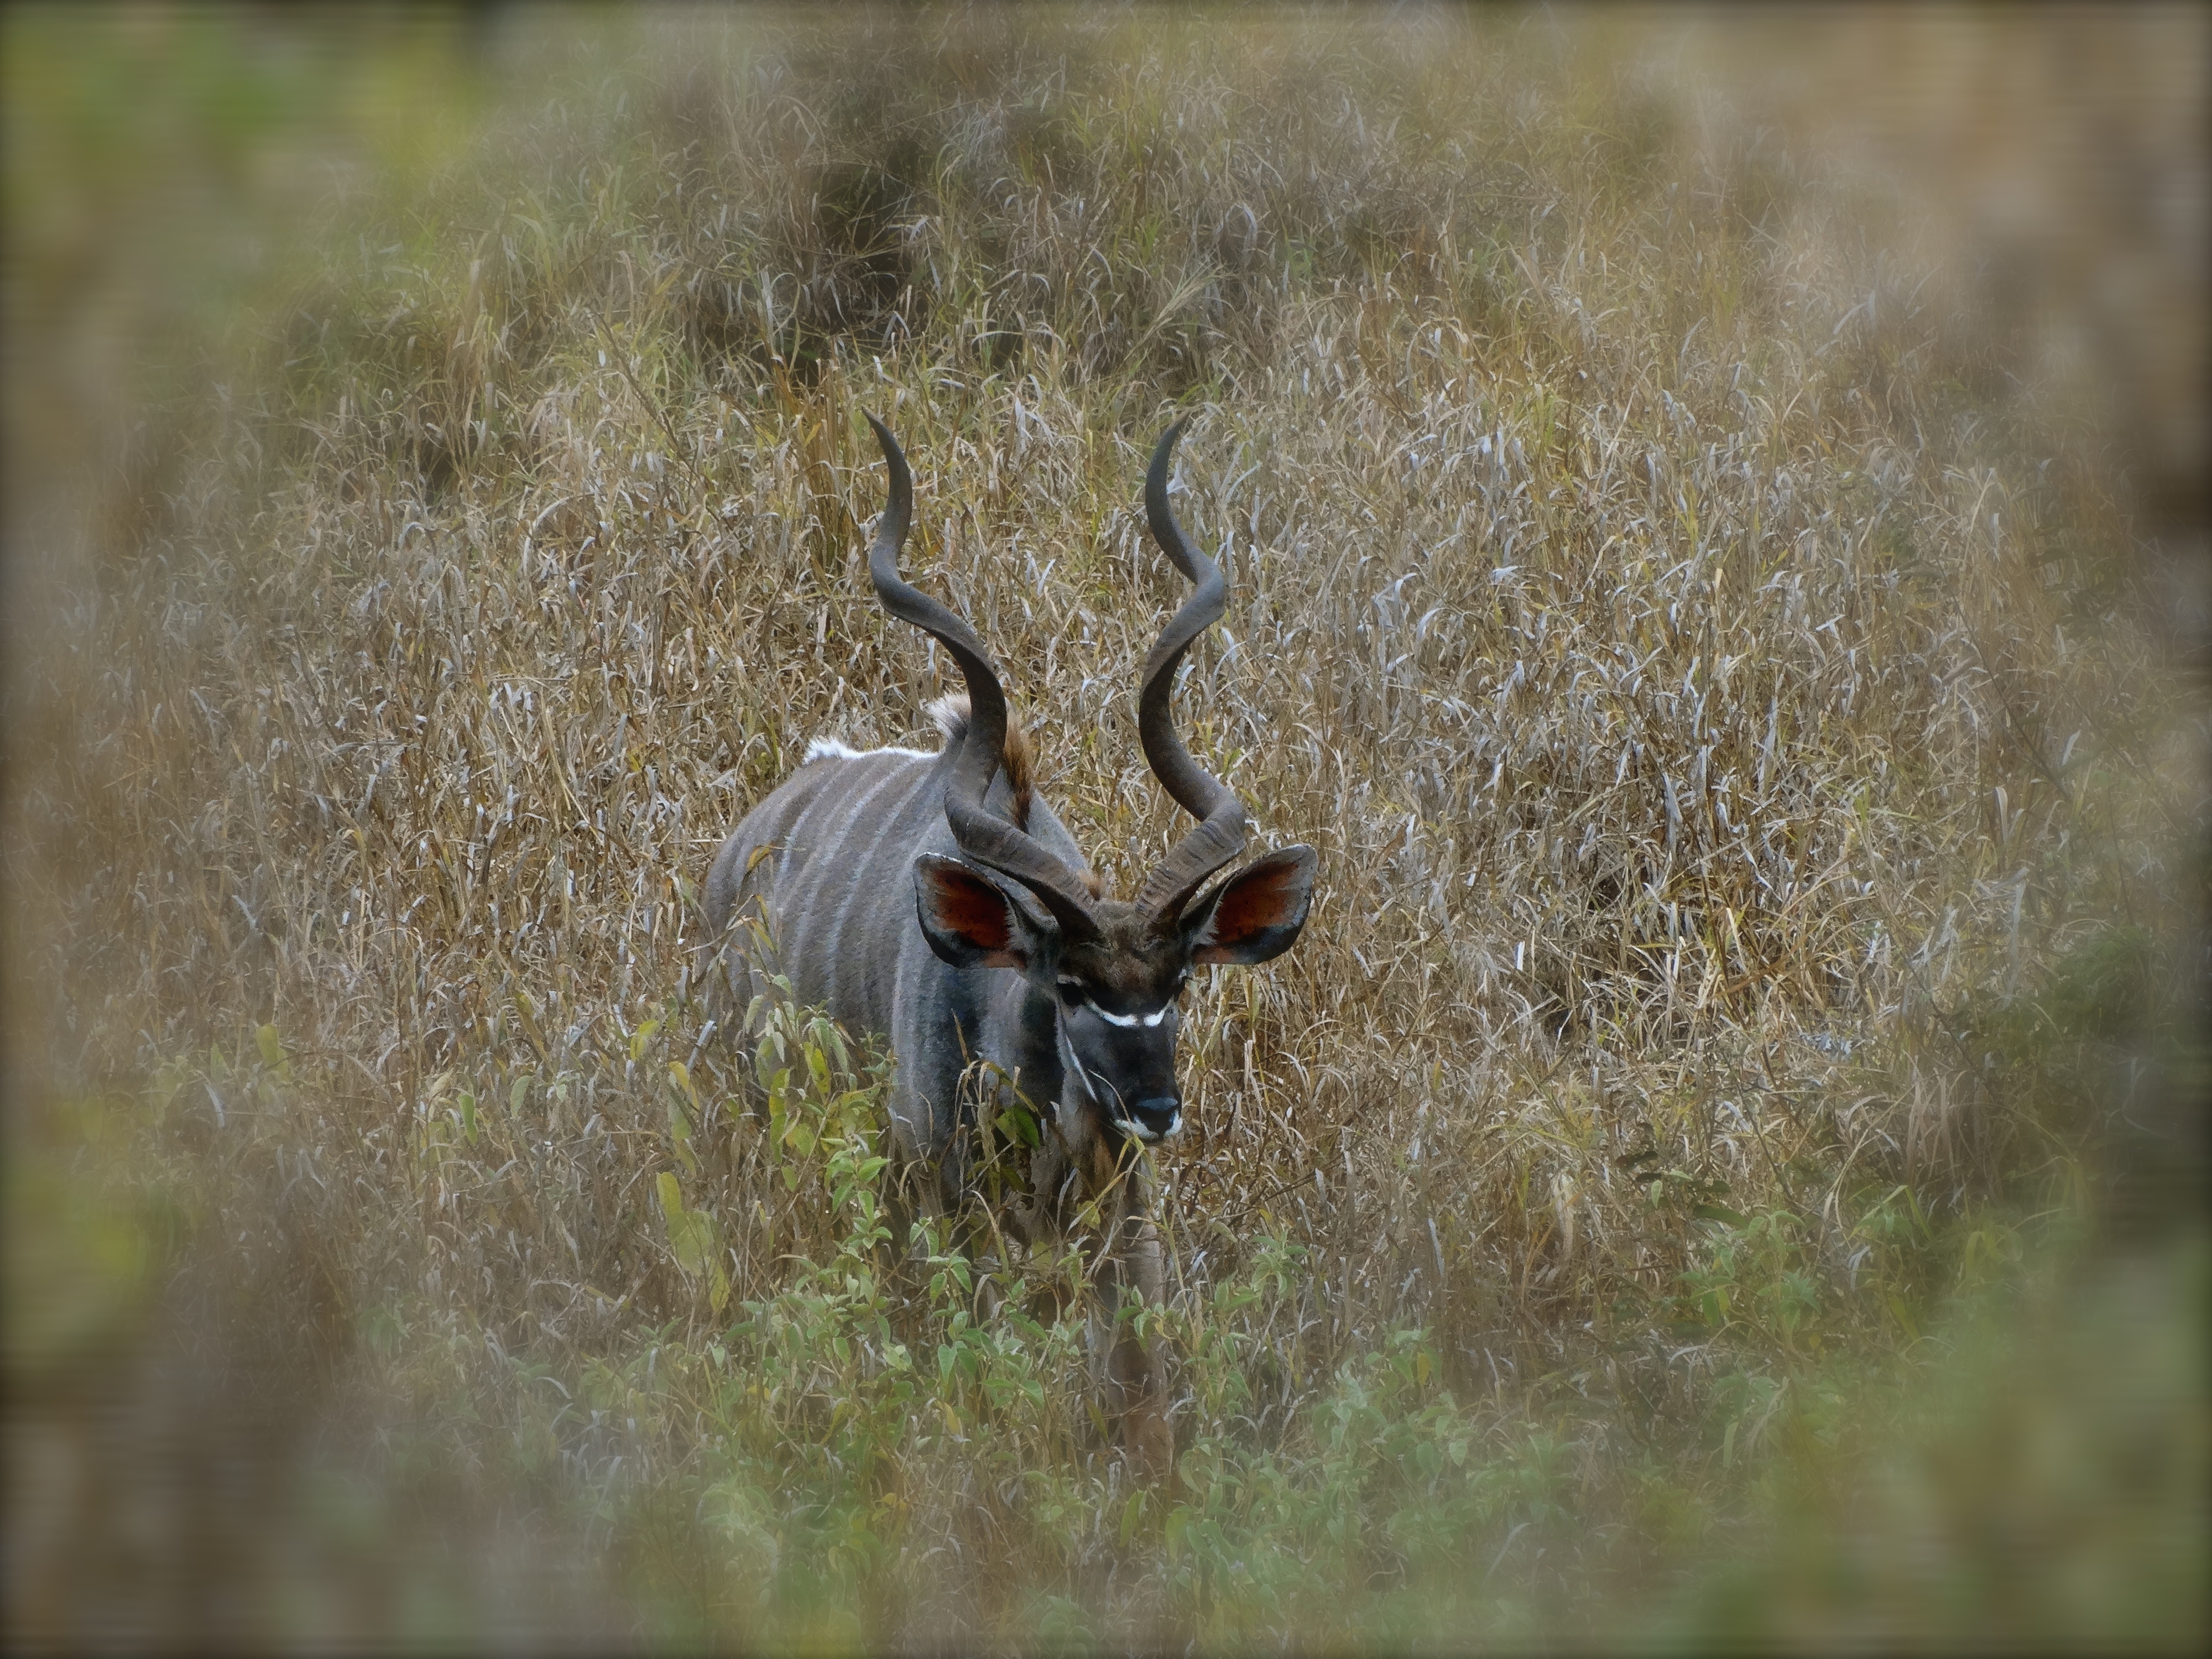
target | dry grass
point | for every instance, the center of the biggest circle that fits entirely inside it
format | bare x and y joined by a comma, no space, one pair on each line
1727,727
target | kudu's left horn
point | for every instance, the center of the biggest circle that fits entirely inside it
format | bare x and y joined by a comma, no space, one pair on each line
986,840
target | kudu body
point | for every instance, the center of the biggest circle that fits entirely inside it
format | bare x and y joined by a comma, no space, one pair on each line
934,898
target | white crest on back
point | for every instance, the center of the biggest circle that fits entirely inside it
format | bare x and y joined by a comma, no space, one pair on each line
834,749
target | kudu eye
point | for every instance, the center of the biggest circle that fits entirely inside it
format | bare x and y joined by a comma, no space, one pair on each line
1071,993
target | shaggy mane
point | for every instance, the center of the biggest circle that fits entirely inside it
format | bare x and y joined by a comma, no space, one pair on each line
950,713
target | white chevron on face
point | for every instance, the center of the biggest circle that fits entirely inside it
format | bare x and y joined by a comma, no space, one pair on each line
1125,1020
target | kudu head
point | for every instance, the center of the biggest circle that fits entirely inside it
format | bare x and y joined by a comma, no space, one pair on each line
1110,969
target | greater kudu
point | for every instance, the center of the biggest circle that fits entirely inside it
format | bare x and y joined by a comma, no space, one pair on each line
935,899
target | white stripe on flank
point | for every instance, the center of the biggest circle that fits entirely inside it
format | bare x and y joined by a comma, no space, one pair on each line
885,822
833,749
826,864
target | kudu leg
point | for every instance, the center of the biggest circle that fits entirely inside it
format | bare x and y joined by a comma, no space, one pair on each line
1133,1387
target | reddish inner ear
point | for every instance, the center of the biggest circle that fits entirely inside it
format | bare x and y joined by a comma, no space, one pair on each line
1265,898
972,910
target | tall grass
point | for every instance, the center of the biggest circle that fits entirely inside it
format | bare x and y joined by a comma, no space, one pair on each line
1752,802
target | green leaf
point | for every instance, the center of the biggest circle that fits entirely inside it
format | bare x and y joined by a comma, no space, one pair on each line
679,1137
1903,1315
691,1234
1133,1512
1178,1522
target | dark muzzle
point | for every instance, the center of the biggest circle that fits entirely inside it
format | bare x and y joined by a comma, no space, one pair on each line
1155,1119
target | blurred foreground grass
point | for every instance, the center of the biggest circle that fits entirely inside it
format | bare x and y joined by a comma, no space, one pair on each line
1723,1164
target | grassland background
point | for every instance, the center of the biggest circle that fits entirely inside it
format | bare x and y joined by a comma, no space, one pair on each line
1715,514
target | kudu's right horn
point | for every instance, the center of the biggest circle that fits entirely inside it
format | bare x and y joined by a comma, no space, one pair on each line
1219,836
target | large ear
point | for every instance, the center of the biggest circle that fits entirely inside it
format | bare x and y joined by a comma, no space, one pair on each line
967,919
1256,914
